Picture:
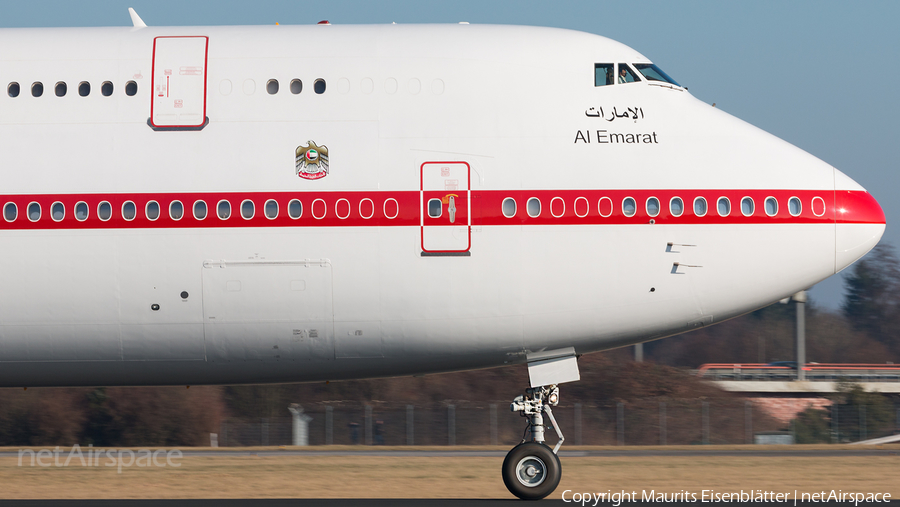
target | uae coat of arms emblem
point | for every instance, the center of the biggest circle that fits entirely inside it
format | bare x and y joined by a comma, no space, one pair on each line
312,161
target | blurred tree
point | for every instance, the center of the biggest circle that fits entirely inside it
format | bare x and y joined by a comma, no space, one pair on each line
858,407
41,416
259,400
873,295
151,416
812,426
761,336
99,429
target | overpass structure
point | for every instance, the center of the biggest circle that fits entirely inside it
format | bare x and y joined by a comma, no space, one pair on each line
782,377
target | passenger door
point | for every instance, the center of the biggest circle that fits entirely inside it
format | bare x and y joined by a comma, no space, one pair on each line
179,83
445,209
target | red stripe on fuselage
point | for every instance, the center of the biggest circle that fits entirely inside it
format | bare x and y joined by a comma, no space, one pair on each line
558,207
853,207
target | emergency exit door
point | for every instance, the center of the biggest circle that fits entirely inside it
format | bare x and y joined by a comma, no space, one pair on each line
446,210
179,83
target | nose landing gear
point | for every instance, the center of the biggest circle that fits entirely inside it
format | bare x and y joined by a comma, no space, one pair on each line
531,470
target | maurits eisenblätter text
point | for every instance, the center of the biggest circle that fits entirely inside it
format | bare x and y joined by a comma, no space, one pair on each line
710,495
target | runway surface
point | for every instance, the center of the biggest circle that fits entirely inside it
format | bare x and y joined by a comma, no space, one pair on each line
280,479
390,502
402,502
631,452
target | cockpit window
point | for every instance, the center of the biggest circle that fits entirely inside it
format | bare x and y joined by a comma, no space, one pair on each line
626,75
653,73
604,74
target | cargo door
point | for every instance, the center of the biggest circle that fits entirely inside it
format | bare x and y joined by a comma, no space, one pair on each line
258,310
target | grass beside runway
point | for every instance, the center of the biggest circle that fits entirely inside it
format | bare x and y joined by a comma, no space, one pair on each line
348,476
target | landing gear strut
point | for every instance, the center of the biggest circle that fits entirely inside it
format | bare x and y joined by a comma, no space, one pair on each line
531,470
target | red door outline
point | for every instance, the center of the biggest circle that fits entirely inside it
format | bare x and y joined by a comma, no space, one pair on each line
423,214
205,81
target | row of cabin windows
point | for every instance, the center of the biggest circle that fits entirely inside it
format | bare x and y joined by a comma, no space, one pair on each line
296,87
61,88
247,208
152,210
131,88
653,207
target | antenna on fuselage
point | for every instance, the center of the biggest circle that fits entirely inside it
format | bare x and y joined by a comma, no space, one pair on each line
136,20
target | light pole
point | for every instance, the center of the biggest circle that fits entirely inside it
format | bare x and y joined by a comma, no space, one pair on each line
800,299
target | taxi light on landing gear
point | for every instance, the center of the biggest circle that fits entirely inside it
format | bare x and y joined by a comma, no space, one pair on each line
553,399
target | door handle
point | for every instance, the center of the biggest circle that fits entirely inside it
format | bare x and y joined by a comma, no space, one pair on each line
451,208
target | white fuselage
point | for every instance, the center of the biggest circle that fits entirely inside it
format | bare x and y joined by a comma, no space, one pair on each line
365,282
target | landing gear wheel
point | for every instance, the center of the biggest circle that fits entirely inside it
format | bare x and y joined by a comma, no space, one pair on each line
531,471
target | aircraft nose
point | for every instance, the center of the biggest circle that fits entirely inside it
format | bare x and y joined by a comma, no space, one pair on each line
858,219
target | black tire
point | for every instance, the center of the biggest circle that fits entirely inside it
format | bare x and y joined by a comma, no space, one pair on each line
540,479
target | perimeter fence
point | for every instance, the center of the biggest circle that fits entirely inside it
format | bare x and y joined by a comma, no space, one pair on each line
673,422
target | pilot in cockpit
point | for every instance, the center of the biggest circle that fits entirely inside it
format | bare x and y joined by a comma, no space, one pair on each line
626,75
604,74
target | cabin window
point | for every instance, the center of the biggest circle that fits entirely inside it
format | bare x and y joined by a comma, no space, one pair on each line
818,206
131,88
13,89
366,208
581,207
390,208
84,88
604,74
629,207
296,86
10,211
319,86
57,211
509,207
625,75
700,206
794,206
434,208
61,89
653,73
295,209
557,207
747,206
771,206
34,212
653,206
223,210
104,211
200,210
129,210
271,209
676,206
723,206
176,210
106,88
272,86
152,210
605,207
248,209
81,211
533,207
37,89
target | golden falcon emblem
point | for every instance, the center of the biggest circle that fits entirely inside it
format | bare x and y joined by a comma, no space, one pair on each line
312,161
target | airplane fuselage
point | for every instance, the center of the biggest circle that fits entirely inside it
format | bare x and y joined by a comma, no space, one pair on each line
456,197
